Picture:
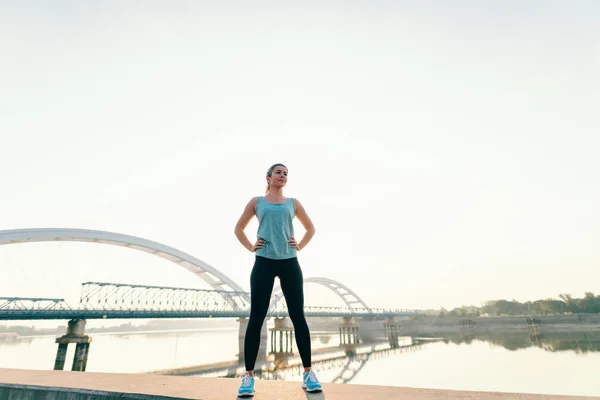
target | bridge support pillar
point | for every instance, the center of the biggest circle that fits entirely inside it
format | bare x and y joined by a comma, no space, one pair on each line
349,333
61,356
75,335
262,349
392,331
286,336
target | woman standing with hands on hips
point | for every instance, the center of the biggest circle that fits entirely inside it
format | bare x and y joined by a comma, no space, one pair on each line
276,256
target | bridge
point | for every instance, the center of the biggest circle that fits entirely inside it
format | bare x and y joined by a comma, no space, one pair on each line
115,300
104,300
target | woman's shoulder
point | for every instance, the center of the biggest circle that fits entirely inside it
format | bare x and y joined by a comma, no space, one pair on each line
253,201
296,203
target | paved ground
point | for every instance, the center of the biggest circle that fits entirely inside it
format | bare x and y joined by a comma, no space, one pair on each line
92,385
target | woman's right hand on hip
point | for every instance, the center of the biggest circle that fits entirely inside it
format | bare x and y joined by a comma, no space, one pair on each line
258,245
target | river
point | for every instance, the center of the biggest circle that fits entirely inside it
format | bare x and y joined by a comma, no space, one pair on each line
567,365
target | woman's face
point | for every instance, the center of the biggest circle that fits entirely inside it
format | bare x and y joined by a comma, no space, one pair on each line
278,177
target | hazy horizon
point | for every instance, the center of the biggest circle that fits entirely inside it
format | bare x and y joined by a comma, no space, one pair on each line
448,155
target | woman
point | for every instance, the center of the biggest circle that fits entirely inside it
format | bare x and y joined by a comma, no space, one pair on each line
276,249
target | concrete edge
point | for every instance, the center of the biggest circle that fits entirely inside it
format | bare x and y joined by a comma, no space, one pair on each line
9,391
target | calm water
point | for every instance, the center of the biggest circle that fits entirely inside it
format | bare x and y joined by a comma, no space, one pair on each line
567,365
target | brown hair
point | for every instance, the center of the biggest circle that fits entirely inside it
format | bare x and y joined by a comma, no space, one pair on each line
270,172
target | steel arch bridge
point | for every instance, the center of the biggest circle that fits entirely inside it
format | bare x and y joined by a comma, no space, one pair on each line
215,278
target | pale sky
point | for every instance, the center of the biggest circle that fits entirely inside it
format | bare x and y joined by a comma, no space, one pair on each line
447,152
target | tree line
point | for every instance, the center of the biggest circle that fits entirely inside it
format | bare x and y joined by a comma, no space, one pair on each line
590,303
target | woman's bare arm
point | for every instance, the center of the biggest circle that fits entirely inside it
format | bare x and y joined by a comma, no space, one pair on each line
243,222
306,222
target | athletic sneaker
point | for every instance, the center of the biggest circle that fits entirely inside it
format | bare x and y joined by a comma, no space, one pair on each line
310,382
247,387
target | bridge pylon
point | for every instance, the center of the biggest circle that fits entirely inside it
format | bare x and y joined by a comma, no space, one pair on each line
262,349
349,332
286,337
392,331
75,335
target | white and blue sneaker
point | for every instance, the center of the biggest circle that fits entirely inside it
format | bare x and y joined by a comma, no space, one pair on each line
247,387
310,383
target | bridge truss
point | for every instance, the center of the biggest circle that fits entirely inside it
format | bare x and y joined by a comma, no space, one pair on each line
103,300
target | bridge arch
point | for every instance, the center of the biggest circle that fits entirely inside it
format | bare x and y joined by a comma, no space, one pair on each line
349,297
209,274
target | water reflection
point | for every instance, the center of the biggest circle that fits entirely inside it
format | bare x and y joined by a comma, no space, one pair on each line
577,342
349,360
346,361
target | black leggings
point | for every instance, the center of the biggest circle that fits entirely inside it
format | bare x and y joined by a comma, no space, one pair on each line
262,279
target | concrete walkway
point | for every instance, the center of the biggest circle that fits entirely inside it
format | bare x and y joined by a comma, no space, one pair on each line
18,384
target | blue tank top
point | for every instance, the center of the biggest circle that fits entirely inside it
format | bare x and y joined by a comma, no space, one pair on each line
275,227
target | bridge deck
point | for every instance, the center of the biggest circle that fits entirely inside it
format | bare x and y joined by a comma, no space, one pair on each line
158,314
16,383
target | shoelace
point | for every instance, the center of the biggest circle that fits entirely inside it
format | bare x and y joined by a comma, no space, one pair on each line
312,377
247,381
